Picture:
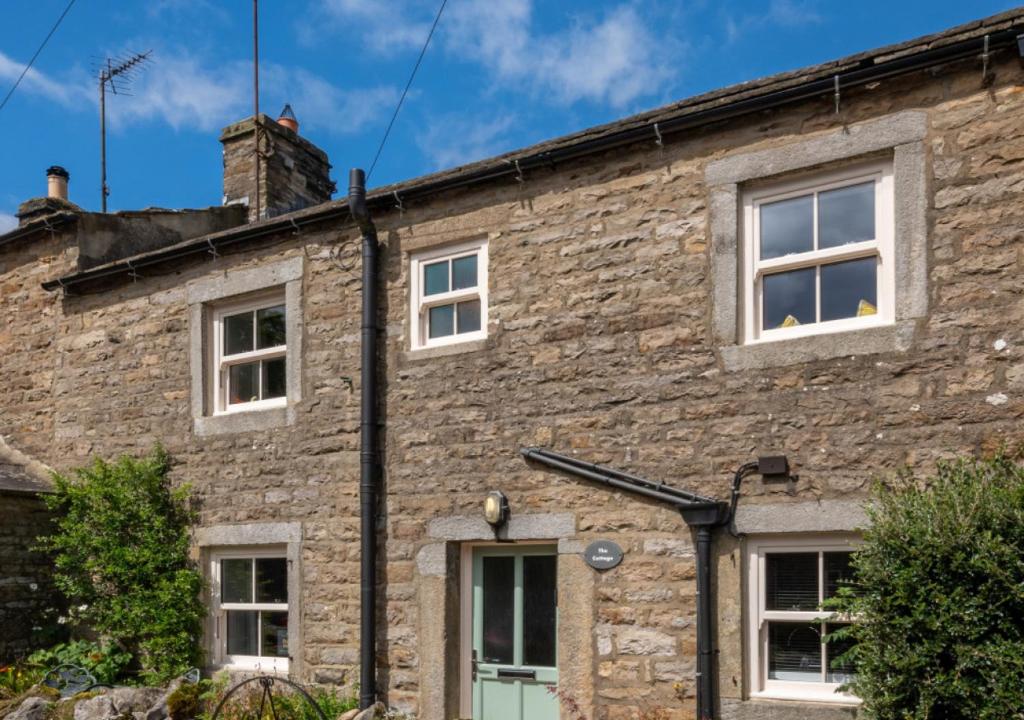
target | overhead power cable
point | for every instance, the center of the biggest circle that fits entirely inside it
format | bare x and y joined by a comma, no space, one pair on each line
412,75
39,50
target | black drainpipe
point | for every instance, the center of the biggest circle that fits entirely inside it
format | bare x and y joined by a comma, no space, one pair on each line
368,445
700,513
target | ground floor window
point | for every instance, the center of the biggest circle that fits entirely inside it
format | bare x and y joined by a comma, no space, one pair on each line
790,579
250,609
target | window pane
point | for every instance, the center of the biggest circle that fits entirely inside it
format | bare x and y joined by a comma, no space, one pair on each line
791,581
787,227
236,580
837,571
539,600
271,580
242,382
464,272
849,289
837,672
274,382
441,321
498,609
794,651
435,278
238,333
469,316
789,298
275,634
846,215
271,327
242,632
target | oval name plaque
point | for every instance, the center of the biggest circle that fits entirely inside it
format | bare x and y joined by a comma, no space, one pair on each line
602,555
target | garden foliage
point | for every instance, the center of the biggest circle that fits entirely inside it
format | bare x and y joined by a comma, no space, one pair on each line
121,548
939,596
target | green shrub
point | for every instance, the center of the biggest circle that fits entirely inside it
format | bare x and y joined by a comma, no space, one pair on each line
939,596
121,549
288,704
103,662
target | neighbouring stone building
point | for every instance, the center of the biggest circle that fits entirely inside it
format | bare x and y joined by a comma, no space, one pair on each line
28,601
824,264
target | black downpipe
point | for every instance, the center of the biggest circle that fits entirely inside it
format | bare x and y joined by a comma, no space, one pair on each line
369,465
701,514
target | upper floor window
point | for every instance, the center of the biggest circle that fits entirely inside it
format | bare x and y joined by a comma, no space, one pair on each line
250,610
250,345
449,295
789,654
819,254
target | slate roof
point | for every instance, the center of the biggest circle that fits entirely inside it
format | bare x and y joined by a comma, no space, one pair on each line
20,473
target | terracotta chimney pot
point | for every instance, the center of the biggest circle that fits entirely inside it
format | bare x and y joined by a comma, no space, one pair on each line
287,119
57,182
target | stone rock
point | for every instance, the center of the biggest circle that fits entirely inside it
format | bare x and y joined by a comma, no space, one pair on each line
118,702
96,708
33,708
349,714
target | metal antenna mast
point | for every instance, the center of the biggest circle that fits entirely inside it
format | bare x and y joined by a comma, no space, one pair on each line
118,73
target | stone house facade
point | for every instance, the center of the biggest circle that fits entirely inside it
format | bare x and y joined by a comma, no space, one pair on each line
823,264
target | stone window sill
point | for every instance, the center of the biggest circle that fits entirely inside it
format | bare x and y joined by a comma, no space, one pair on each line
869,341
446,350
243,422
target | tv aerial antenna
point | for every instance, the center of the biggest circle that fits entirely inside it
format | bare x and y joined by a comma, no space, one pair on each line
118,74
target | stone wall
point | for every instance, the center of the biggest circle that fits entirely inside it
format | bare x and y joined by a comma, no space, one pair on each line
600,344
27,597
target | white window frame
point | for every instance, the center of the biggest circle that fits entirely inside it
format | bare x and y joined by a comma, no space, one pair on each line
420,304
218,611
882,247
221,364
758,617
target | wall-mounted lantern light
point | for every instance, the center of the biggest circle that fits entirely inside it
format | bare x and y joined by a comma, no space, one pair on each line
496,508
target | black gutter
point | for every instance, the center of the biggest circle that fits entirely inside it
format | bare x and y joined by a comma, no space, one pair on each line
700,513
50,222
650,130
369,461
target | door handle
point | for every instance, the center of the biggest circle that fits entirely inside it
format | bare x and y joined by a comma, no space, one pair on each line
521,674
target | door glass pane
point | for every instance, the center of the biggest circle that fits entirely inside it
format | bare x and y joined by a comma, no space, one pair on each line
238,333
846,215
243,383
849,289
794,651
789,299
469,316
464,272
274,382
539,600
271,580
236,580
791,581
837,571
787,227
435,278
441,321
271,327
275,634
498,609
837,672
242,632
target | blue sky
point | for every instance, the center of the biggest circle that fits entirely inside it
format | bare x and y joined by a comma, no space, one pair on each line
500,74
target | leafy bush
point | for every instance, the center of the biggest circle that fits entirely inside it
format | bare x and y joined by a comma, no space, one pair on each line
288,704
16,679
121,549
103,662
939,597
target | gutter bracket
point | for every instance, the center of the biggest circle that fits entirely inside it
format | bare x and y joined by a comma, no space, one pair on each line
657,134
212,248
987,76
398,202
835,93
296,230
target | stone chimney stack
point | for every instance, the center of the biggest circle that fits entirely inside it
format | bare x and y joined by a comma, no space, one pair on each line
293,172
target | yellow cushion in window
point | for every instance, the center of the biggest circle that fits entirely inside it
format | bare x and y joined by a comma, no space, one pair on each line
866,308
790,321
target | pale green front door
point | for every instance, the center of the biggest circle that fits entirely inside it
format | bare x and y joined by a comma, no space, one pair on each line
515,630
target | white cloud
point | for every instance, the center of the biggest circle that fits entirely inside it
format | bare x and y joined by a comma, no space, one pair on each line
615,59
7,223
780,13
453,140
67,93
